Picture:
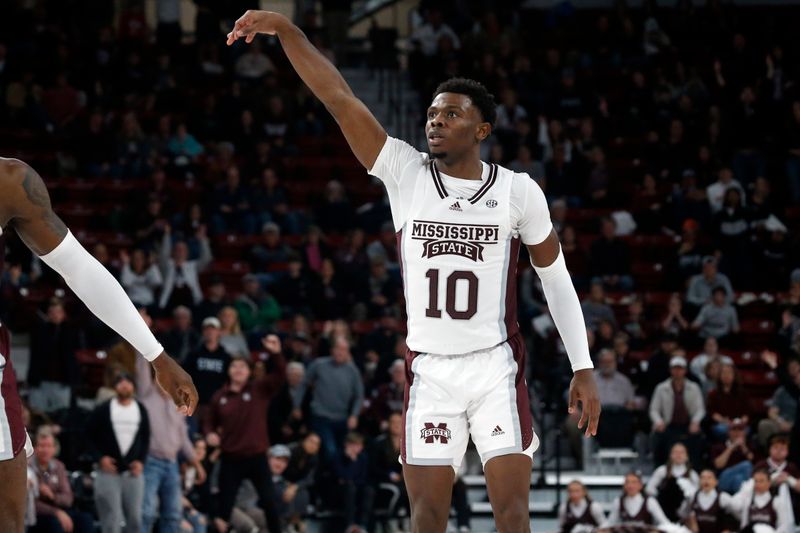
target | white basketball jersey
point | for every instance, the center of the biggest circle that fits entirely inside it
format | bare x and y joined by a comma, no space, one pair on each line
458,251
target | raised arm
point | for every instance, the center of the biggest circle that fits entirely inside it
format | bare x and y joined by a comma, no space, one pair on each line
25,206
362,130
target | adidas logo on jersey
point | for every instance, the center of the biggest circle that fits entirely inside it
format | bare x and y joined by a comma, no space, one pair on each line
498,431
456,207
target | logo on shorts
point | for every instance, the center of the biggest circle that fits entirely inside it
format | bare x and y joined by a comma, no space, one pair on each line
438,432
498,431
491,203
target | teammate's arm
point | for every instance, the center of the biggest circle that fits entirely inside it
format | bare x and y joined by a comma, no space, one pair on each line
362,130
562,300
25,201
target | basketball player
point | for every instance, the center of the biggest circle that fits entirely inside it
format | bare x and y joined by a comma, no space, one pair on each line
25,207
459,223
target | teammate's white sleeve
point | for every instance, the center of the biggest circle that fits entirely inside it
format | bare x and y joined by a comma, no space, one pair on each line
397,163
562,300
102,294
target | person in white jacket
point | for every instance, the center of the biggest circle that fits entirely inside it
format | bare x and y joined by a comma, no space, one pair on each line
139,279
181,274
676,410
762,509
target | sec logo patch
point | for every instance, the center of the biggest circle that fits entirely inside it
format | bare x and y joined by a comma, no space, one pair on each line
491,203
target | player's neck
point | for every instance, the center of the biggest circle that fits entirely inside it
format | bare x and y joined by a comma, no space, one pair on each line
468,168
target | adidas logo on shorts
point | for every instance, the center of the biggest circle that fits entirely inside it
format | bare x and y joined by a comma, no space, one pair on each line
455,207
498,431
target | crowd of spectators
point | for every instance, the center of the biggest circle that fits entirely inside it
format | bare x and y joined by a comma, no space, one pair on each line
667,142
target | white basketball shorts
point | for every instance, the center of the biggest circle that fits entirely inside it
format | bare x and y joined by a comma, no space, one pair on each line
482,394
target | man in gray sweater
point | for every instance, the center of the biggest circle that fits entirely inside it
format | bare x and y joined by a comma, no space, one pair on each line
337,398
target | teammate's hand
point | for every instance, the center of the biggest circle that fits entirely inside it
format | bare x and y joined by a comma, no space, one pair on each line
583,389
254,22
176,382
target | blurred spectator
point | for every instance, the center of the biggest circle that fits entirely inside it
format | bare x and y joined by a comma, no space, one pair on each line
53,368
524,163
271,249
207,364
636,324
633,508
673,482
733,458
169,437
388,397
285,494
702,285
595,307
181,274
231,206
182,338
55,512
716,191
761,506
351,466
793,159
183,147
727,401
781,471
257,308
674,322
334,213
579,509
140,278
231,338
658,364
337,397
118,437
610,258
216,297
710,511
385,247
676,411
333,297
301,473
237,422
384,468
254,64
430,34
782,410
286,422
700,362
717,319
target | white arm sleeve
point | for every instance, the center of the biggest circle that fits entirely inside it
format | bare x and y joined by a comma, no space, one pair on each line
562,300
102,294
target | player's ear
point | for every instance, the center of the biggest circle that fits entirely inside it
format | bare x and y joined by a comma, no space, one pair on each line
483,131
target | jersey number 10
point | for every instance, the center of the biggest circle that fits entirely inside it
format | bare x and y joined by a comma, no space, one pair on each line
433,310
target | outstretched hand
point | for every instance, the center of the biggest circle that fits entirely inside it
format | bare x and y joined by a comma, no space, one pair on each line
254,22
584,390
176,382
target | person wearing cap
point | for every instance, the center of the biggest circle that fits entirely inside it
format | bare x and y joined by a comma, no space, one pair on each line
290,508
237,423
733,458
207,363
118,440
701,285
676,411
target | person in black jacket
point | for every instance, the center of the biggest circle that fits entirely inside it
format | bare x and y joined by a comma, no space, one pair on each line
118,436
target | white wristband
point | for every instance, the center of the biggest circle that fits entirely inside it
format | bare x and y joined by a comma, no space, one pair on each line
102,294
562,300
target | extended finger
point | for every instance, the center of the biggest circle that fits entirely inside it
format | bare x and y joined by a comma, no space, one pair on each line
584,415
594,417
573,400
249,38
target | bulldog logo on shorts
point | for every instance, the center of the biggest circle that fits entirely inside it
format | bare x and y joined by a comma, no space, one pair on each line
438,432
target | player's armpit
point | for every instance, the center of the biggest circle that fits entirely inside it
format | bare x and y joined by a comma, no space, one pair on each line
32,214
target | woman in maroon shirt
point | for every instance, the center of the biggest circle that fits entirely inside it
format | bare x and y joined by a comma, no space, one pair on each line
727,402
